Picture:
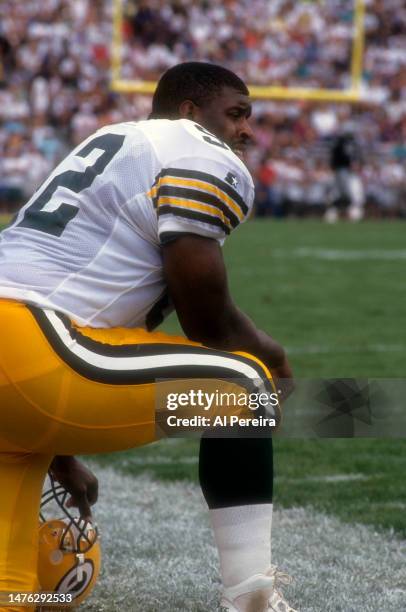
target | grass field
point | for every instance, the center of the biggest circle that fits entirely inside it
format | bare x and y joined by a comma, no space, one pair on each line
335,296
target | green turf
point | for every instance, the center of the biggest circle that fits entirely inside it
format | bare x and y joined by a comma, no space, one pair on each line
337,317
336,304
348,306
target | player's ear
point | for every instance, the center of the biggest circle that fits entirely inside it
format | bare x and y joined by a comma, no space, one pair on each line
188,110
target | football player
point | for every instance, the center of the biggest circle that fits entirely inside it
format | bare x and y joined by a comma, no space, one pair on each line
128,226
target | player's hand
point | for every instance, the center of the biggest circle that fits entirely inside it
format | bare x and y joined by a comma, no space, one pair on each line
78,480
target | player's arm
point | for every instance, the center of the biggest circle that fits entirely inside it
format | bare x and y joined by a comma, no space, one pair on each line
197,282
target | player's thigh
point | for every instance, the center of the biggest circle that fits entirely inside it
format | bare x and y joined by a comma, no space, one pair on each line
67,390
50,404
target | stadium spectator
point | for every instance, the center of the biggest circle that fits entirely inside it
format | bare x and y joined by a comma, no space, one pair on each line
55,72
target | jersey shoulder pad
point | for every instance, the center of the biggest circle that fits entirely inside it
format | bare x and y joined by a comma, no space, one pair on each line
203,187
175,141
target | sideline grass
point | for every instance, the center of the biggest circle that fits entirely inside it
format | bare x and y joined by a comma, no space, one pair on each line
351,308
339,304
159,554
357,480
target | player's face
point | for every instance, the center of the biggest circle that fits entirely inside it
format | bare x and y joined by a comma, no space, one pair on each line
226,116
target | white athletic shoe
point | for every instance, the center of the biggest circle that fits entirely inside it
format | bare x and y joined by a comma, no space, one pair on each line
257,585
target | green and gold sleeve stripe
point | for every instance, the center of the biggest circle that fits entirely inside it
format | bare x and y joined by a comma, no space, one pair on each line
188,195
195,212
200,187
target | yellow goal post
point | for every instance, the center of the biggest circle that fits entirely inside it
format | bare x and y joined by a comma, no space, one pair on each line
352,94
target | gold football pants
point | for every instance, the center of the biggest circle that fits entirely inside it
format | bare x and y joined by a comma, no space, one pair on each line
67,390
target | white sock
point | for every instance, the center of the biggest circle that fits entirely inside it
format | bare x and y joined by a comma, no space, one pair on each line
243,538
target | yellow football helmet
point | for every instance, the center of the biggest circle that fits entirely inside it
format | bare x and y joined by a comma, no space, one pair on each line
69,548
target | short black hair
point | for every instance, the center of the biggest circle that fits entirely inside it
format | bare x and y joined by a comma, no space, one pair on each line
199,82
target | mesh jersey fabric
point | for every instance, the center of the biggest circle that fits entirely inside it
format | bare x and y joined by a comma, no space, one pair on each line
88,243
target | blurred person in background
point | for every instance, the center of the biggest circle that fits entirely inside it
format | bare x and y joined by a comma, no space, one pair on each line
347,199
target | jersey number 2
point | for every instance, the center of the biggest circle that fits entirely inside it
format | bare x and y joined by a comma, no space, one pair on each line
54,221
211,138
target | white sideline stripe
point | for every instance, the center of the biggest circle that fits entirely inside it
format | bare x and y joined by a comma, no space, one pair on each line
145,363
331,478
343,255
159,554
389,505
328,350
159,460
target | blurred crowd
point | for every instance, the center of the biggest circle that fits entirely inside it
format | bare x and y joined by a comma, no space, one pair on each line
55,74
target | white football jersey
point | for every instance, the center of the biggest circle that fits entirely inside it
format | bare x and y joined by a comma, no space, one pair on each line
88,243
